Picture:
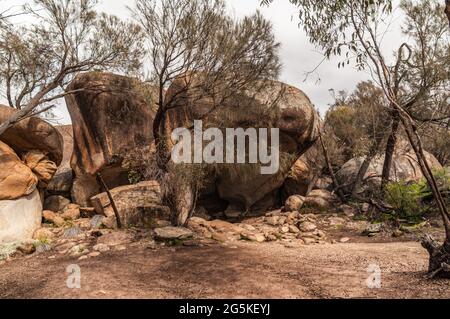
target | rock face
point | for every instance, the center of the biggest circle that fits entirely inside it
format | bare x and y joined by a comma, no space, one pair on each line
243,186
404,168
42,167
138,205
32,134
20,218
303,174
16,179
110,119
61,183
173,233
321,199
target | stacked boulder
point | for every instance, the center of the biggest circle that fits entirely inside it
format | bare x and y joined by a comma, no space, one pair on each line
30,153
277,105
405,168
112,116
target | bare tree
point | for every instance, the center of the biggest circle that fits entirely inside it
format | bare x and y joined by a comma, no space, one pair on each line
216,55
210,56
39,59
355,28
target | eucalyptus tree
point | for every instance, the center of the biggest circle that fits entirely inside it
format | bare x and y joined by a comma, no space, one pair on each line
355,30
60,38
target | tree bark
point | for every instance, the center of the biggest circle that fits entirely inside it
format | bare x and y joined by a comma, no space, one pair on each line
331,170
390,150
439,255
362,171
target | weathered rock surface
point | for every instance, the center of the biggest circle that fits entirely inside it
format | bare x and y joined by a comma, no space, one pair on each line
32,134
303,174
404,168
53,218
41,166
56,203
173,233
138,205
110,119
20,218
243,186
61,183
16,179
321,199
294,203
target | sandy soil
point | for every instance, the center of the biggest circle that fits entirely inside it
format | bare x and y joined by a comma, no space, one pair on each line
245,270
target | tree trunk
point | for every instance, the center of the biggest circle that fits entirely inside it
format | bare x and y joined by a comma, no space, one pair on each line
331,171
390,150
439,255
362,172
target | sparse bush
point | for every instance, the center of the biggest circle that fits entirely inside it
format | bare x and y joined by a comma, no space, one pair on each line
406,199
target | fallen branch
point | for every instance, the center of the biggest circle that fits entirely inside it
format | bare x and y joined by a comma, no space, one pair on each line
111,199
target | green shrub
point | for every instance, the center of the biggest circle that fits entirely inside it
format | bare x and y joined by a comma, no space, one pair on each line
406,199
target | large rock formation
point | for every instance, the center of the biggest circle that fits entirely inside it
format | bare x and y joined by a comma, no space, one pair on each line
20,218
278,105
16,179
304,174
30,152
111,116
61,184
32,134
137,205
404,168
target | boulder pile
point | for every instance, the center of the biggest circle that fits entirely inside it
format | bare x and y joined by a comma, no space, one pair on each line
30,153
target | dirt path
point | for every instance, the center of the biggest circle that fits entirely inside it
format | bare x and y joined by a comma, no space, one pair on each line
246,270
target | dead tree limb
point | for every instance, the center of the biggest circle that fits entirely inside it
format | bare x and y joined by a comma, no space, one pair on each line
111,200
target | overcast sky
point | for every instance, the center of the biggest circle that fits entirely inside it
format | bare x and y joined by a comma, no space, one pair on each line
297,55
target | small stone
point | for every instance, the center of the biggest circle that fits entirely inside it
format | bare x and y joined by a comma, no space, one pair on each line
71,212
284,229
248,227
83,258
120,248
344,240
271,237
27,248
52,257
397,233
102,248
307,227
219,237
52,218
320,234
272,221
293,229
173,233
336,221
55,203
260,238
294,203
94,254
